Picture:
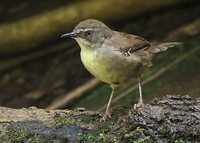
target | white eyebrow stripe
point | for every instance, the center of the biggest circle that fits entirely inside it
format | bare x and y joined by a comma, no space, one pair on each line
89,29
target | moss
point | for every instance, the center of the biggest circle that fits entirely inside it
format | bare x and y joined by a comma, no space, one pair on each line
63,120
36,139
97,137
90,138
12,134
109,133
179,141
18,135
103,134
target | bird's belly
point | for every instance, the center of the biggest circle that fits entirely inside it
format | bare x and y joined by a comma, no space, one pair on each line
111,69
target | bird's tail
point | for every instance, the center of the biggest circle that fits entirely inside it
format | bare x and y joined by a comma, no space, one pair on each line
162,47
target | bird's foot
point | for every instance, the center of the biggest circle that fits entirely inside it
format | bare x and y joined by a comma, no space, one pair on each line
106,116
139,104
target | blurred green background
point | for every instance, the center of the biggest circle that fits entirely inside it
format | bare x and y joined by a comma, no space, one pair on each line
38,68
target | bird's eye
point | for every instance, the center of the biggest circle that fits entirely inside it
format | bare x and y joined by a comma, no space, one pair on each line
88,33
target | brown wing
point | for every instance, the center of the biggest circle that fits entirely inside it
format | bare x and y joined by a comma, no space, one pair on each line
127,43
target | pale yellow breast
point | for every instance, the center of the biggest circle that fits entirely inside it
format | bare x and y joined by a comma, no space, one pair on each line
108,66
95,64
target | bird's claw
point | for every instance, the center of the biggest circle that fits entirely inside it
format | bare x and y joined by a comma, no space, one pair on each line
139,104
106,116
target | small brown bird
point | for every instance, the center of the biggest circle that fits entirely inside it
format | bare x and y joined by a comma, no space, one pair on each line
114,57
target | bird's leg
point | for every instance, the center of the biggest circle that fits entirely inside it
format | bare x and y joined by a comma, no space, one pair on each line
108,111
140,102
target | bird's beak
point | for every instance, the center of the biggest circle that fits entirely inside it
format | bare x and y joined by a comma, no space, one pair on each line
71,34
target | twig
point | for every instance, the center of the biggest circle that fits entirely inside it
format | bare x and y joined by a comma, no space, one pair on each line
76,93
188,30
12,63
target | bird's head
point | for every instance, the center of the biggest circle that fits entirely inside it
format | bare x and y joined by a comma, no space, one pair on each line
90,33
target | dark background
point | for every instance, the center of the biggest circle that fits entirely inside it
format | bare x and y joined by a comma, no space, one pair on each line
38,68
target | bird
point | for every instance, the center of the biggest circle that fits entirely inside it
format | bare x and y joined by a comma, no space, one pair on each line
114,57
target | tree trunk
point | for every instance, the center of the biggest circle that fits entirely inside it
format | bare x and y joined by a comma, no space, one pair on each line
173,118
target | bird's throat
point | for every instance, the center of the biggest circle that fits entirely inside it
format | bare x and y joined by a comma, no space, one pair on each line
84,44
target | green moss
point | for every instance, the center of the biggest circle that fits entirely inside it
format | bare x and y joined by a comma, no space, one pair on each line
18,135
13,135
62,120
90,138
100,135
136,136
36,139
97,138
179,141
116,136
